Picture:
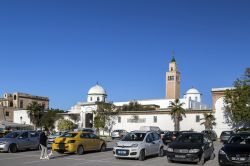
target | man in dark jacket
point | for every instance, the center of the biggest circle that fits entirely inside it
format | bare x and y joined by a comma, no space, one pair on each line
43,144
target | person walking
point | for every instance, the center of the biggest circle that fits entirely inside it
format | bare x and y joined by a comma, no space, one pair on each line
43,144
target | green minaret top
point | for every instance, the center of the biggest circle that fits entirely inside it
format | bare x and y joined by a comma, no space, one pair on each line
173,59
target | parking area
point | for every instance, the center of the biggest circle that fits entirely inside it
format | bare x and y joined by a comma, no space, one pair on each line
90,159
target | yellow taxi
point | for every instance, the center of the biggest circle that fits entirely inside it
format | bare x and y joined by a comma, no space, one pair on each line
78,142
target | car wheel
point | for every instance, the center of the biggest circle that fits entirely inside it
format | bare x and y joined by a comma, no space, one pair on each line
161,152
212,156
202,160
142,155
103,148
80,150
12,148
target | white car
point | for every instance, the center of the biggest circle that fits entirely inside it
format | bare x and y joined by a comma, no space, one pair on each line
118,133
139,144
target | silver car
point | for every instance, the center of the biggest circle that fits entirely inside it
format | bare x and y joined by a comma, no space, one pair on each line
19,140
139,144
118,133
52,137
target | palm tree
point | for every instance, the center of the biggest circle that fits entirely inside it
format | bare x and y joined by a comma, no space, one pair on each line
35,112
177,113
209,121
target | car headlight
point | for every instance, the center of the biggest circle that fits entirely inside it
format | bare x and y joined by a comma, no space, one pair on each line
134,145
222,152
170,149
193,150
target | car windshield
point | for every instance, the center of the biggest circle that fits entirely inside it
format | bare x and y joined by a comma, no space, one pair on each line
134,137
69,135
12,135
239,140
190,138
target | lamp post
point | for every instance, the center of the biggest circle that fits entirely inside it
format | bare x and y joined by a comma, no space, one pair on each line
21,118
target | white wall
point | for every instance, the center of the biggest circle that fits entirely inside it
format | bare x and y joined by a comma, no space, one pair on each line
164,122
25,118
221,124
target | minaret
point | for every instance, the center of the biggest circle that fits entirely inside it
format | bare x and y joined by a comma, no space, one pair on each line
173,81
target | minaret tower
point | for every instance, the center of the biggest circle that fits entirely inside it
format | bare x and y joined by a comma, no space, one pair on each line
173,81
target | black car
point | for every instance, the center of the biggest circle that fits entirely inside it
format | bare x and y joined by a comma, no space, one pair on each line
170,136
225,135
191,147
236,151
210,134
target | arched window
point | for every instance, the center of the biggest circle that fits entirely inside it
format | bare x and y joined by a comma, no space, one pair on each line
196,98
14,97
21,103
98,98
90,98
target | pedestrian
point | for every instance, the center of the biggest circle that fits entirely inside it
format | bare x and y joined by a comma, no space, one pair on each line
43,144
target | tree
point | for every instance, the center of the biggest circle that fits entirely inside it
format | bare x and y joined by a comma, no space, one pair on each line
49,117
209,121
65,124
135,106
35,112
104,116
177,113
237,102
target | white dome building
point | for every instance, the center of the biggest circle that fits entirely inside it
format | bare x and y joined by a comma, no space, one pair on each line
193,94
192,97
97,94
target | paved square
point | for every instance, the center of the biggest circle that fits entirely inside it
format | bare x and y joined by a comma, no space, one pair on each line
31,158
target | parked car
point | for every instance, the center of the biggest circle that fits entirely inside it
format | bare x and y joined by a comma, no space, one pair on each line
170,136
236,151
78,142
225,135
162,132
211,134
118,133
52,137
139,144
89,130
4,132
191,147
19,140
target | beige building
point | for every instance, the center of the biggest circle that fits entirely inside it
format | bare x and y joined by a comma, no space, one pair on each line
173,81
18,101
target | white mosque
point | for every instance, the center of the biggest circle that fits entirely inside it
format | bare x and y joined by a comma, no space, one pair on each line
192,102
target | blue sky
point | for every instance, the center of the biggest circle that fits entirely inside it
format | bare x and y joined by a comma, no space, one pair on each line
61,48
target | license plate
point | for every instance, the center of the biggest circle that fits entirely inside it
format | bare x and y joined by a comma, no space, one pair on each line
238,158
121,152
180,156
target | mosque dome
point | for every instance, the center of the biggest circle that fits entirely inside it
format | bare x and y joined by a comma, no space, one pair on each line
97,89
192,91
